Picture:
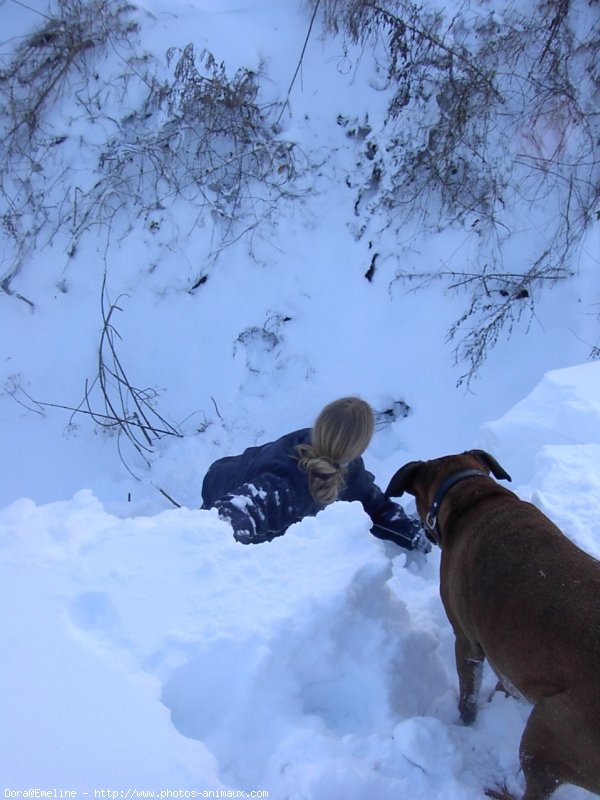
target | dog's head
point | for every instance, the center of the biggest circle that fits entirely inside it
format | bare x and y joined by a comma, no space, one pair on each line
423,479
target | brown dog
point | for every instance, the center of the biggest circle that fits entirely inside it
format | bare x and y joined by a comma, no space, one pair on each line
522,595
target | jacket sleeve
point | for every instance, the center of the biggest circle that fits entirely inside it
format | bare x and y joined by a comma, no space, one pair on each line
401,529
261,510
390,521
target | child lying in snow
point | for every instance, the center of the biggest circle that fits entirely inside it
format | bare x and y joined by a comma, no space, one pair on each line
265,489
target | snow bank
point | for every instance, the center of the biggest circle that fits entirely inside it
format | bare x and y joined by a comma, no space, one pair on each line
550,443
156,654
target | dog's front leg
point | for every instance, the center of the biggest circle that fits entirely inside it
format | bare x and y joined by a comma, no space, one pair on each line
469,665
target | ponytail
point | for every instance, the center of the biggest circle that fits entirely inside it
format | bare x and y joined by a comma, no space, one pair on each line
340,434
325,476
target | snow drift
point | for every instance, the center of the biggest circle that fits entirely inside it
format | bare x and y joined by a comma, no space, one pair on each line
154,653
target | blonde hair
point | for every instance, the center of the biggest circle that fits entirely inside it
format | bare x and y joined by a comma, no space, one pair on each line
341,433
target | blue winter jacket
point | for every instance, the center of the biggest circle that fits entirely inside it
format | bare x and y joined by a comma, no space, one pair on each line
262,492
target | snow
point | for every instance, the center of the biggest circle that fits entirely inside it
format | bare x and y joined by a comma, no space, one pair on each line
143,648
154,652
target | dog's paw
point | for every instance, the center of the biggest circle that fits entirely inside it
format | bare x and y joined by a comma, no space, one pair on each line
499,793
468,712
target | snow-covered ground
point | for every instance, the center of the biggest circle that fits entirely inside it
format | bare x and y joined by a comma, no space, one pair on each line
155,653
145,650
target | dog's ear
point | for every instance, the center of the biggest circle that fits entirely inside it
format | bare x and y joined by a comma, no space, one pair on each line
490,462
402,480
